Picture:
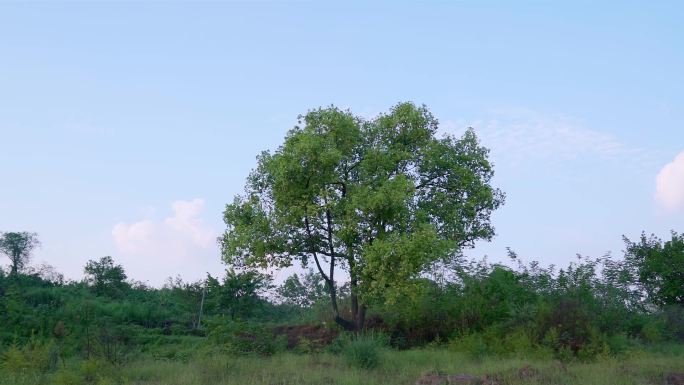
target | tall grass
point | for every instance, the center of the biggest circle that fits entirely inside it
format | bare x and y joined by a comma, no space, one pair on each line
395,367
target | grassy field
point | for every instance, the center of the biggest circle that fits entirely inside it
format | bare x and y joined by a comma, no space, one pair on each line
394,367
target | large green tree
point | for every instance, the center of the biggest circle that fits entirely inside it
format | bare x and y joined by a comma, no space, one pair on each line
18,246
382,199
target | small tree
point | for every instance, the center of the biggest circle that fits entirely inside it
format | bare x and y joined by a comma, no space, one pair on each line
239,296
293,292
302,293
17,246
382,199
105,277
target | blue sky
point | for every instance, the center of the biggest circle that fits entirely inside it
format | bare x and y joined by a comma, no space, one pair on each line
126,127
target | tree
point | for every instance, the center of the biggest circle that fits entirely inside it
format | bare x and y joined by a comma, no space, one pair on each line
293,292
658,267
382,199
303,294
239,295
105,277
17,246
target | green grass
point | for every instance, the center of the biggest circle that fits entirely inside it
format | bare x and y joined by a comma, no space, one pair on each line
395,367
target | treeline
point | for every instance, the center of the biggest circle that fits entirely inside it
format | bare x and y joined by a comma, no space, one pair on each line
108,316
593,307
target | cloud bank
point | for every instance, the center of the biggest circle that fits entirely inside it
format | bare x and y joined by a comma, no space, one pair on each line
183,243
670,184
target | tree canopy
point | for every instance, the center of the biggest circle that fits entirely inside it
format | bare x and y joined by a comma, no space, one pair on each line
382,199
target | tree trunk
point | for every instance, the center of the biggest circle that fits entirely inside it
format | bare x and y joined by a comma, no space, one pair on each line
358,312
15,265
354,300
345,324
332,291
360,318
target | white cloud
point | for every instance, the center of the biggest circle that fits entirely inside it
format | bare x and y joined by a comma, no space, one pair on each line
182,243
517,136
670,184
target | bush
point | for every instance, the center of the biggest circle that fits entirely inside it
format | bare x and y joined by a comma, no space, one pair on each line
674,316
238,337
64,377
522,343
38,357
14,361
494,341
340,342
652,331
364,351
91,369
621,344
473,345
597,346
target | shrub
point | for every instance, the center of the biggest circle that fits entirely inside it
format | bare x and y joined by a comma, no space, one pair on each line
35,356
674,316
520,343
338,345
91,369
14,360
105,381
621,344
596,347
364,351
238,337
473,345
652,331
64,377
